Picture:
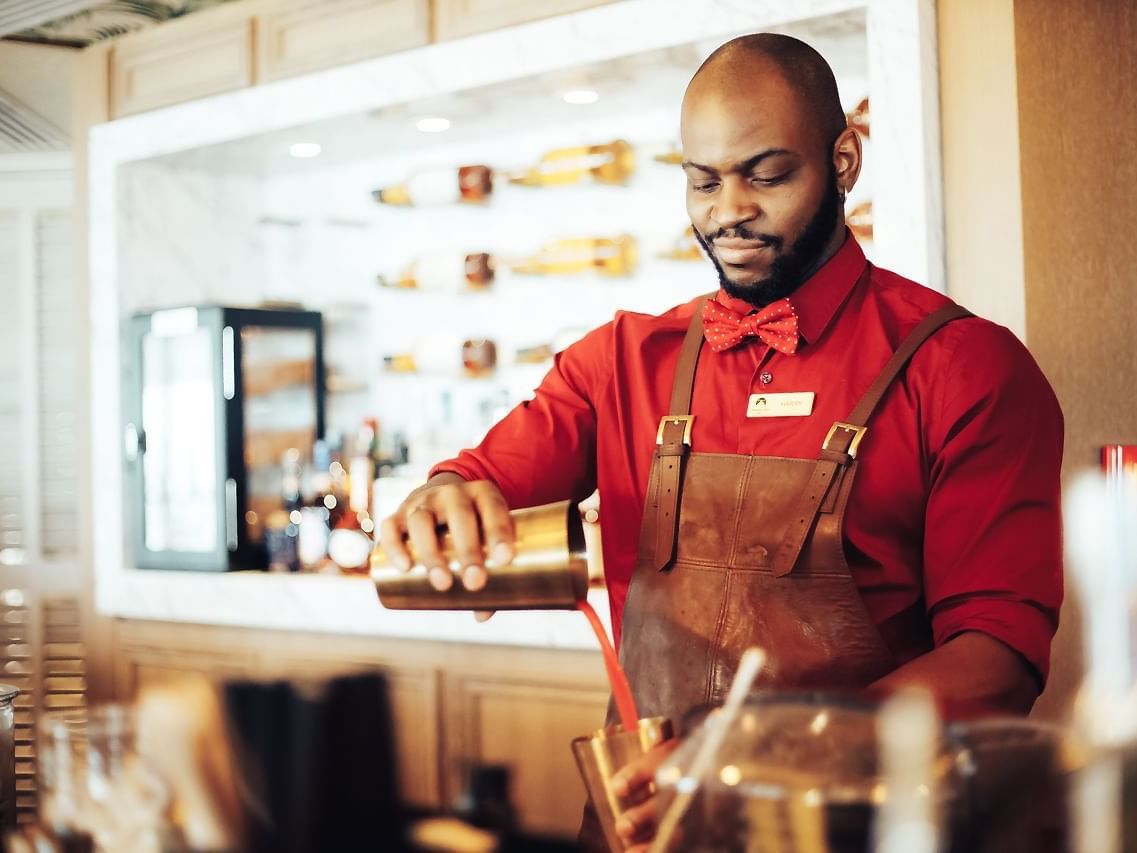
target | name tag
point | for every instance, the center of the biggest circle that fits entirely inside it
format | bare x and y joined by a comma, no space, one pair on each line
795,405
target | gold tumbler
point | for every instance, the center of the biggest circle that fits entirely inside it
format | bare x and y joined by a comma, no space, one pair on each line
601,754
549,570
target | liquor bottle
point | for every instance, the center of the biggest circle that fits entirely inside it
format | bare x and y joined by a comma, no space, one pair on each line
611,163
858,118
336,502
608,163
350,543
467,185
608,256
290,476
400,362
281,542
537,354
479,357
859,220
316,513
684,248
282,527
444,272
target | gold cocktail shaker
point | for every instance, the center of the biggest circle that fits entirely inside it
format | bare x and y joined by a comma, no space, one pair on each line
549,570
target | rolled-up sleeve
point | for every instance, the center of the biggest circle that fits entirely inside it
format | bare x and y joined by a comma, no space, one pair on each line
993,542
544,450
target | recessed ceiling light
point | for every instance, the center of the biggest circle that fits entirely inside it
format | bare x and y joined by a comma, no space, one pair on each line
433,124
304,149
581,96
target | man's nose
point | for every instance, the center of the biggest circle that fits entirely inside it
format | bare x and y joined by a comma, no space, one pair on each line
735,204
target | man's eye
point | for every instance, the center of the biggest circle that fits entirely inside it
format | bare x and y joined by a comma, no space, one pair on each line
769,181
705,187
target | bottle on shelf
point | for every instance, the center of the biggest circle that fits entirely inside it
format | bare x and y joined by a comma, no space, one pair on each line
608,163
400,362
479,357
290,477
282,526
858,117
281,542
444,272
337,504
537,354
607,256
611,163
316,513
859,220
350,542
684,248
466,185
445,355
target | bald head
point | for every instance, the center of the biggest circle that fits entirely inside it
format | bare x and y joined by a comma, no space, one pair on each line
747,65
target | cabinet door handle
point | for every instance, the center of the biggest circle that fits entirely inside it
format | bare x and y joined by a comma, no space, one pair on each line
134,442
231,514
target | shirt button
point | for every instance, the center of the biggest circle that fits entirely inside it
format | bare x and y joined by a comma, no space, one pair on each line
766,378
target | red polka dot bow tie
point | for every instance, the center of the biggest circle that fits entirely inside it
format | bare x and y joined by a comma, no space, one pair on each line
775,325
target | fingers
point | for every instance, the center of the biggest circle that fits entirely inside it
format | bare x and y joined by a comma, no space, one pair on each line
479,525
422,530
465,536
637,824
497,524
636,776
391,541
483,615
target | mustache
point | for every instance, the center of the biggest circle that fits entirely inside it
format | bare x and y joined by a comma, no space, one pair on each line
743,233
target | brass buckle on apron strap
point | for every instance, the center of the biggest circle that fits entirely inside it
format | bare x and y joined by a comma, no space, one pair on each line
858,434
676,419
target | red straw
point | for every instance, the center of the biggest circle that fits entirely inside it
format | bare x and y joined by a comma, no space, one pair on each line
621,690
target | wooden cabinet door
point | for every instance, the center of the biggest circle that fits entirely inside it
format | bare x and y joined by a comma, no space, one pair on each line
181,60
528,726
304,35
457,18
413,692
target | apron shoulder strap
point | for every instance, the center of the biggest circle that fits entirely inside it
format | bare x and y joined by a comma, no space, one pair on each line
840,445
673,443
927,327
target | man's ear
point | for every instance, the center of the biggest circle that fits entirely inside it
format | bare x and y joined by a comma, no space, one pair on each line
847,158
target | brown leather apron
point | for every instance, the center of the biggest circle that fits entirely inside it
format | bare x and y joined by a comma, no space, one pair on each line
738,551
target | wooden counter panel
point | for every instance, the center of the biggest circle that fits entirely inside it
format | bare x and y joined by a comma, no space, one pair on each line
529,726
452,703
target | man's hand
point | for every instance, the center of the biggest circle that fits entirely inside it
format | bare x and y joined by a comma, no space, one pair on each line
477,517
634,787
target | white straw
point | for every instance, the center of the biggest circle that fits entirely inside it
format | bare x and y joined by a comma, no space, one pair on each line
717,726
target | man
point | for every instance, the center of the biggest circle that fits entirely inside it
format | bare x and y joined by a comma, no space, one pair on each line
923,550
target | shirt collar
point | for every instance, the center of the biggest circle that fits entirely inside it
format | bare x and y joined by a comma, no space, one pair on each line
819,297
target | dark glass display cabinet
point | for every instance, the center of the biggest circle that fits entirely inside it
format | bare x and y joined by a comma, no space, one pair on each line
214,398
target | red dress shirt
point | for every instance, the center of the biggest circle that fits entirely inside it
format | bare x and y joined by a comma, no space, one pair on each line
953,524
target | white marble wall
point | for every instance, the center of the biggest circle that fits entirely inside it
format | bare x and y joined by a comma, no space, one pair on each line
188,237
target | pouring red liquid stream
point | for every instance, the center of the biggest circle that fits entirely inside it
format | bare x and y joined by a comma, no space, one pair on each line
621,690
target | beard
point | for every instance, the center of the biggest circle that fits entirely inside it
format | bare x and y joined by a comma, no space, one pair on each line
789,270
